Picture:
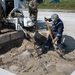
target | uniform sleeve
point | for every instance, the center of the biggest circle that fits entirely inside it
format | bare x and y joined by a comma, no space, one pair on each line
50,20
60,29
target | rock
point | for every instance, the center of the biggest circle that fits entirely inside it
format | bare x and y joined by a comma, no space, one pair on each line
65,68
26,54
7,59
13,68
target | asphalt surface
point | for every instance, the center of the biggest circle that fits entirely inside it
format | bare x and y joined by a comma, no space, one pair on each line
68,18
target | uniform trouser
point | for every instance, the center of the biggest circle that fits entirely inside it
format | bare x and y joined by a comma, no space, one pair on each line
34,18
33,14
49,41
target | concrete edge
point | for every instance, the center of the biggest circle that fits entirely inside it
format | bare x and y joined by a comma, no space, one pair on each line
11,36
5,72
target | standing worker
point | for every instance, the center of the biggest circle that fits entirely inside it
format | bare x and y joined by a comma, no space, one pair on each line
33,11
57,30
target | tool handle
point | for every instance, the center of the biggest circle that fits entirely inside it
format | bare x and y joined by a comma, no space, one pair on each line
49,29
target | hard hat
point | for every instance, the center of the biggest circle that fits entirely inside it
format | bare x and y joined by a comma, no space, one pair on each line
55,17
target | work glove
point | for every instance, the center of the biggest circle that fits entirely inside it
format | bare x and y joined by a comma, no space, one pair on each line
45,19
54,40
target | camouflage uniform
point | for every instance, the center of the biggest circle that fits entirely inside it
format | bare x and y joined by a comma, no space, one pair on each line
1,16
33,11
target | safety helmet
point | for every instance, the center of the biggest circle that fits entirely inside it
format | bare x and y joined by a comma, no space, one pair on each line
54,17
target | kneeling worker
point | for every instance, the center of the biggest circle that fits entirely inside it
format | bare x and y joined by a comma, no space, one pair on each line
57,30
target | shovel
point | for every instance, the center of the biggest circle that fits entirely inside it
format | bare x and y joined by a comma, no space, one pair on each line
49,29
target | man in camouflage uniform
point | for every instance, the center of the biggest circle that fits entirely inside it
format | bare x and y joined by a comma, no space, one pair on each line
33,11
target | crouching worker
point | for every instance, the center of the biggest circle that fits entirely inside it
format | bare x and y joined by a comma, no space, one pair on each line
57,30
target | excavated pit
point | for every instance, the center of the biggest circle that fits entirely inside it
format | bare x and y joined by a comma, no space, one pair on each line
19,56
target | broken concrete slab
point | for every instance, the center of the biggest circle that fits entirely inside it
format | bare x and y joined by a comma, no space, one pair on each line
10,36
73,73
5,72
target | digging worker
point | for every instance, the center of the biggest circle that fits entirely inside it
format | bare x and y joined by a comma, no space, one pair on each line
33,11
57,30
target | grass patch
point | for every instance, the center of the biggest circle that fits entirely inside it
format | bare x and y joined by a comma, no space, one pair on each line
63,4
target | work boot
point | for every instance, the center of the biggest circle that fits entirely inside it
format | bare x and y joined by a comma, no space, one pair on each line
64,45
45,49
